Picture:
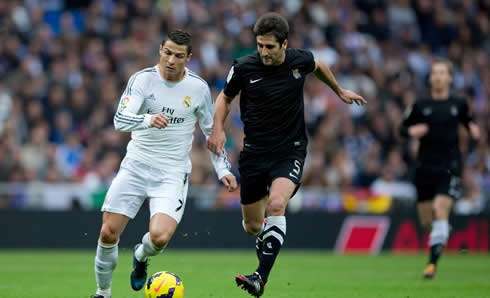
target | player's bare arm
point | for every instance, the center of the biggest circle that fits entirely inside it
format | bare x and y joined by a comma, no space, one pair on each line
323,73
159,120
418,130
474,130
217,139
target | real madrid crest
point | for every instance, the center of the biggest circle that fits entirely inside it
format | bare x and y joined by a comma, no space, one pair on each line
187,102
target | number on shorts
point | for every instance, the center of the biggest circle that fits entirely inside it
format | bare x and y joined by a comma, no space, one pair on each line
297,168
454,187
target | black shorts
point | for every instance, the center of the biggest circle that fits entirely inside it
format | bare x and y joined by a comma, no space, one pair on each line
257,171
432,181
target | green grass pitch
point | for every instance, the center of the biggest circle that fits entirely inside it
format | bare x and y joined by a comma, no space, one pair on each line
206,273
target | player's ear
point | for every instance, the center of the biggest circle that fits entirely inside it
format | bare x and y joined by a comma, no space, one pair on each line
189,57
161,50
285,44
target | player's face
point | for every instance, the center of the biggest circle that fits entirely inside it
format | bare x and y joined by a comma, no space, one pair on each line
173,58
271,51
440,78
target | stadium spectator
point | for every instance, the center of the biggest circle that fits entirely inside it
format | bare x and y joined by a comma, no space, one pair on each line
62,62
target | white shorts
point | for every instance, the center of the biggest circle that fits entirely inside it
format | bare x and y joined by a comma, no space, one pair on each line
135,181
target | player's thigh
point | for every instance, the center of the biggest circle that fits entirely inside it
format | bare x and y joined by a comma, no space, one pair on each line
168,194
425,211
448,189
282,189
126,193
162,228
442,206
290,168
113,225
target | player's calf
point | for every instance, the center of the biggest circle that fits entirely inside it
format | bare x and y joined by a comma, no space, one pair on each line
259,240
105,263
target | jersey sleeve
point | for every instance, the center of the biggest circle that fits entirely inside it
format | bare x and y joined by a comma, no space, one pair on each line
412,116
205,114
307,59
465,115
233,83
127,117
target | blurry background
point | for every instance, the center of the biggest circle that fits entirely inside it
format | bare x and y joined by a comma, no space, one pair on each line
64,65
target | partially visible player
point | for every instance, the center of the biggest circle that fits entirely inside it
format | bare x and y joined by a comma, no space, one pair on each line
160,106
435,121
270,82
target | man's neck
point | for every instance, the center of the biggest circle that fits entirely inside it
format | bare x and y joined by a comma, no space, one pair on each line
440,94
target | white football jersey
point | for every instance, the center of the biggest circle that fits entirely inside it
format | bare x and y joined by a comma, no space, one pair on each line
184,102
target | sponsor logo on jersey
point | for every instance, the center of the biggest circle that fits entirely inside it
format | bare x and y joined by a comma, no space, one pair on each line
175,120
296,73
187,102
454,110
124,101
123,104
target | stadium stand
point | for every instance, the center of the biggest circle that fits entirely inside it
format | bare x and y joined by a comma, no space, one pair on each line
63,66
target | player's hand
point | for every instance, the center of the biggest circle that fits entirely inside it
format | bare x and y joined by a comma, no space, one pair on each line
418,130
350,97
159,121
216,142
474,131
230,182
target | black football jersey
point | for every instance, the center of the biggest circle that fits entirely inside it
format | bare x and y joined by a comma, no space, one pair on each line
271,100
440,146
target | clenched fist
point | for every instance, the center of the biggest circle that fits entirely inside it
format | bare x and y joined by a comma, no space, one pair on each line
230,182
159,121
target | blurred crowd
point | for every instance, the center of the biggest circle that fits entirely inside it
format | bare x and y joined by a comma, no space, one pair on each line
64,65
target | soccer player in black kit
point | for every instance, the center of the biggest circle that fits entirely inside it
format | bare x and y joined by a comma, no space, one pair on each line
271,83
435,121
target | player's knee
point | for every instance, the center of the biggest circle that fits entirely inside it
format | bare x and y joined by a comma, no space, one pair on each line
160,239
252,227
108,235
276,206
426,225
441,211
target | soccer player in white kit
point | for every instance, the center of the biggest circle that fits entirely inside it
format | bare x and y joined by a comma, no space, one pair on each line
160,106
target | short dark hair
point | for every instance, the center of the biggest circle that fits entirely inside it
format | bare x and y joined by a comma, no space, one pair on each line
272,24
181,38
440,60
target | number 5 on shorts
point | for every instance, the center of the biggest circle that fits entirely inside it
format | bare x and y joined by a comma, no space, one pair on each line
297,168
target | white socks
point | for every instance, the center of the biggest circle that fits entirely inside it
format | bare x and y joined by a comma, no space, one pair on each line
276,227
105,263
439,233
146,249
106,293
